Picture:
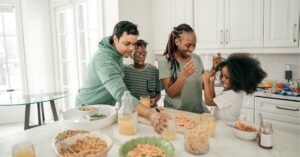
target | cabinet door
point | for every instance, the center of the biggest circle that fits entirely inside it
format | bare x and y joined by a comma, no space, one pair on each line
209,23
166,15
281,26
280,122
182,12
243,23
162,24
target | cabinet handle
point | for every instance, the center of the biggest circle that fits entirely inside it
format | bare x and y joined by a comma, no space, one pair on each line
227,36
222,37
294,32
282,108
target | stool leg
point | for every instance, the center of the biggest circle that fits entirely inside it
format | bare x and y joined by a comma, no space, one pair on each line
53,108
27,116
39,113
43,113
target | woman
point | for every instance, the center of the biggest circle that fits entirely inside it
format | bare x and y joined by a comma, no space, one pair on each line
180,71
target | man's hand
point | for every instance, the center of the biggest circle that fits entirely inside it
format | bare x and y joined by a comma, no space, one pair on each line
159,121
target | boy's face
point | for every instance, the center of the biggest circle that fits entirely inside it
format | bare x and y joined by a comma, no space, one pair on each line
125,45
139,55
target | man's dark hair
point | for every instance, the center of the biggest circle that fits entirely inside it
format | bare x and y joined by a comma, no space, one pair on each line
141,42
245,72
125,26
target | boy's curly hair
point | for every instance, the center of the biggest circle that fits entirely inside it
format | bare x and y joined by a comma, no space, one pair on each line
245,72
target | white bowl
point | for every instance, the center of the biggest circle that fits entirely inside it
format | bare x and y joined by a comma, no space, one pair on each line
71,140
75,119
245,135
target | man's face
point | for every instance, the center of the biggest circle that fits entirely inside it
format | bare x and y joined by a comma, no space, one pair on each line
125,45
139,55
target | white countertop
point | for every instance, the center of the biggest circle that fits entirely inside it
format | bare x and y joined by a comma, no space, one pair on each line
266,95
276,96
222,145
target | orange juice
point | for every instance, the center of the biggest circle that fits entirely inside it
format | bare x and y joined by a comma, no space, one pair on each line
25,153
145,100
127,125
208,119
169,135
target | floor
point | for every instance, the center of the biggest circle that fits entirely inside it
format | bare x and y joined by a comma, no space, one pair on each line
11,128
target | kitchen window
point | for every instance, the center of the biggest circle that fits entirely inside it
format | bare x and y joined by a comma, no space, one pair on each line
77,35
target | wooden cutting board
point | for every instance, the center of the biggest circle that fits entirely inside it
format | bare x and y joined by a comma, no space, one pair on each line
174,113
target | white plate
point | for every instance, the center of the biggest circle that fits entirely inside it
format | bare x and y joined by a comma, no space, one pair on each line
75,119
72,139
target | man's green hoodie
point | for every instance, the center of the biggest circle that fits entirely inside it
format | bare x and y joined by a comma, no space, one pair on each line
103,83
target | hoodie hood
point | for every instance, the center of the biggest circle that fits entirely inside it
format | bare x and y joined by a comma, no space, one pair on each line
106,45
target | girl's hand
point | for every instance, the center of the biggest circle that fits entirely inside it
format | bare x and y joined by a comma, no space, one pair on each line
216,60
159,121
208,76
188,69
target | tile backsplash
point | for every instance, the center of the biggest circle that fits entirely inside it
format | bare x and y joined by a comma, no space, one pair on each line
273,64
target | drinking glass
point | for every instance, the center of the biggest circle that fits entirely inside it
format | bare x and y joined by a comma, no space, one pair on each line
24,149
145,100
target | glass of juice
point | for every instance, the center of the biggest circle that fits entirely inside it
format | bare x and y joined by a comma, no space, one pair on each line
207,118
24,149
169,133
145,100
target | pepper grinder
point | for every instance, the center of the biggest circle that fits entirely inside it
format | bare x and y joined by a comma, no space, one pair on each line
288,72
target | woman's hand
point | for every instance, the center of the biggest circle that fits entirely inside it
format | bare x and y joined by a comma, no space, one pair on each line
159,121
188,69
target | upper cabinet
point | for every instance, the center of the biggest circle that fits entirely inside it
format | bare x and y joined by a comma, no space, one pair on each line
281,23
259,26
229,23
166,15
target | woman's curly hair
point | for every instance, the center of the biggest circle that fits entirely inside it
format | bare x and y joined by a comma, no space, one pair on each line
245,72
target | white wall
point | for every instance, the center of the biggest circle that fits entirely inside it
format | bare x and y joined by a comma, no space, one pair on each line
140,13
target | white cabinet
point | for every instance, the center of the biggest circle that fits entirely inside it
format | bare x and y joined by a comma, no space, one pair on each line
166,15
281,27
284,115
229,23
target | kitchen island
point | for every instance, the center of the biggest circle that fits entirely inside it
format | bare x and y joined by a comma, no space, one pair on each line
222,145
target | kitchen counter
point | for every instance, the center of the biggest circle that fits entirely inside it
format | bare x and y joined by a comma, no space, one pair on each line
222,145
276,96
266,95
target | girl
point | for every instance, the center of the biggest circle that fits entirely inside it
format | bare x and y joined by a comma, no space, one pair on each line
239,73
180,71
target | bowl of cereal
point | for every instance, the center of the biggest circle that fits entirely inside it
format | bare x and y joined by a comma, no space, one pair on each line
244,130
89,144
147,146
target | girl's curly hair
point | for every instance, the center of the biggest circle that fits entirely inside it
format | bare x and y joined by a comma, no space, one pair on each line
245,72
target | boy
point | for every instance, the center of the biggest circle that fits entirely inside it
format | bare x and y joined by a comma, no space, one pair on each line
142,78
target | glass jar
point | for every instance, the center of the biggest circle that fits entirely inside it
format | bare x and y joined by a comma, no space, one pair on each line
265,136
127,117
196,139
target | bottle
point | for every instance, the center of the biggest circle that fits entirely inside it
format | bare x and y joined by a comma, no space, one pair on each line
127,117
265,135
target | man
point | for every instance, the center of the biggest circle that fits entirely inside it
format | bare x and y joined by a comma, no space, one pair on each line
104,84
142,78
